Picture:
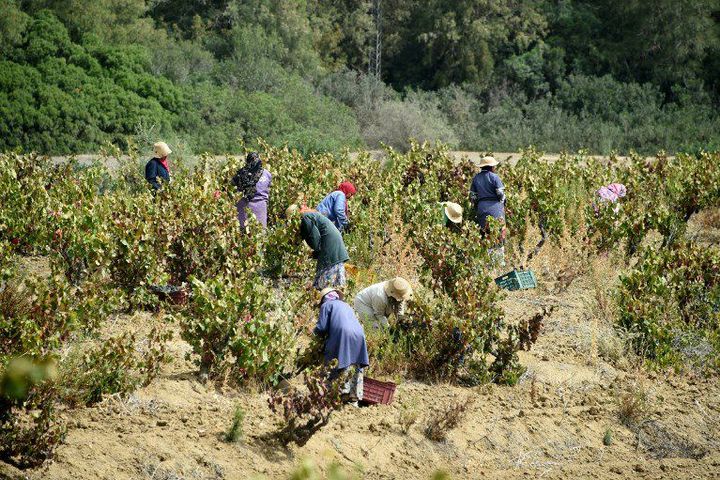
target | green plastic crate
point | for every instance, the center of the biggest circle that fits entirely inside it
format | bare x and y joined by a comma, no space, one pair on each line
517,280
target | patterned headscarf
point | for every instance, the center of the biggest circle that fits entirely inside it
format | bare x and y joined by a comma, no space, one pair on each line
618,189
349,190
247,177
613,192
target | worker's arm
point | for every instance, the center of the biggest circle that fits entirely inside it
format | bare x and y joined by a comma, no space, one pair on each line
339,209
323,321
500,189
380,306
151,174
473,194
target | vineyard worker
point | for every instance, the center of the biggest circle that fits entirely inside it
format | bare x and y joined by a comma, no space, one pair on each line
377,302
335,205
452,215
253,183
344,342
158,166
327,245
487,193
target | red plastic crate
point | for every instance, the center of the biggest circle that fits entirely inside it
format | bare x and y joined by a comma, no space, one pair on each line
376,392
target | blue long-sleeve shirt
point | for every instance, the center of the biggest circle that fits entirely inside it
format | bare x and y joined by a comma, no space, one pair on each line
487,194
334,207
155,169
345,335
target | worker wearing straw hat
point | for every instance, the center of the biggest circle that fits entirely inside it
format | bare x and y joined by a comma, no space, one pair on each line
377,302
344,341
452,214
487,193
157,169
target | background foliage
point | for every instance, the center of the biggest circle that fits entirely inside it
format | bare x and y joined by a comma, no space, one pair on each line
476,74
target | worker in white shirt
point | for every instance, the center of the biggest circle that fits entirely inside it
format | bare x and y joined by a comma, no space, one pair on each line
377,302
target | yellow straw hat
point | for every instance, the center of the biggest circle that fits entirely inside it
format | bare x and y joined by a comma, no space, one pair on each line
161,149
454,212
399,289
327,290
487,162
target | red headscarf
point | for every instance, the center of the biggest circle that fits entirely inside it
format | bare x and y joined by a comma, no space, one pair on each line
164,162
349,190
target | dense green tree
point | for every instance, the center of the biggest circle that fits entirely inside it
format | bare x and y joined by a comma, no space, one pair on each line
660,41
434,43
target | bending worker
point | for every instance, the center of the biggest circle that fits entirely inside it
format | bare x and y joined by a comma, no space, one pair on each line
253,182
344,341
335,205
377,302
452,215
327,245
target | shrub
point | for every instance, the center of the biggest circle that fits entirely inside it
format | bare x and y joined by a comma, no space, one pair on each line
227,325
442,420
669,293
235,433
113,366
30,429
304,411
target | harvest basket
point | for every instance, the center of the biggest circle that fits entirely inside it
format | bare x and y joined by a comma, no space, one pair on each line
376,392
517,280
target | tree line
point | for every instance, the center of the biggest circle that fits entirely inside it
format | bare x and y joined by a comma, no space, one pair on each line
328,74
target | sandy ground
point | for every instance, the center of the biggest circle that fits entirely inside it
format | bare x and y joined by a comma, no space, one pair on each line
551,425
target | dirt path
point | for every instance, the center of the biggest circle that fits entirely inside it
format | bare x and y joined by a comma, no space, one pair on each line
551,425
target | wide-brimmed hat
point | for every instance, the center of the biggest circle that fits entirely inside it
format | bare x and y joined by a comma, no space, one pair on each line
161,149
487,162
453,212
399,289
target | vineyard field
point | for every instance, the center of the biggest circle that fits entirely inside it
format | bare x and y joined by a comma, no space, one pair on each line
608,369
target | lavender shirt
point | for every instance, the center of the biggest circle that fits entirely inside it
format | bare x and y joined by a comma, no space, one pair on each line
258,203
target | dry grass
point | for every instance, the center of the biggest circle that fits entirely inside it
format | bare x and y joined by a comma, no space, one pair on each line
709,219
407,417
559,263
398,255
443,420
634,403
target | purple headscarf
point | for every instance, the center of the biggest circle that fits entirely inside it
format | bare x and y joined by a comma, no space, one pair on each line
613,192
334,295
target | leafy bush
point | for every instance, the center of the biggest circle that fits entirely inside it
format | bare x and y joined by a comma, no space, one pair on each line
670,293
227,325
304,411
30,430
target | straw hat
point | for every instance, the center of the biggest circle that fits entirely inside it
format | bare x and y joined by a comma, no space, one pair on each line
487,162
454,212
161,149
327,290
399,289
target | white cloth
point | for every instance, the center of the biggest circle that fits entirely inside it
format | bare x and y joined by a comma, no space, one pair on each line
372,304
